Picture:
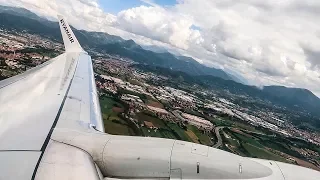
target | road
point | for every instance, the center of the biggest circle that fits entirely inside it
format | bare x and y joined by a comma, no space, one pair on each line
219,143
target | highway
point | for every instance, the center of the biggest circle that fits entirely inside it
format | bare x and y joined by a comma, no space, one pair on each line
219,143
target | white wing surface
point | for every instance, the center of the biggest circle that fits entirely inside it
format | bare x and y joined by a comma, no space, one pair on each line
59,93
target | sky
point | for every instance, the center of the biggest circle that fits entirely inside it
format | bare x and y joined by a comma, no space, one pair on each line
115,6
269,42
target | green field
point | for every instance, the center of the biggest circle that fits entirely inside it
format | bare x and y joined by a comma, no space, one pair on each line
255,146
262,153
232,140
249,140
179,132
111,127
220,121
230,122
144,116
203,139
163,131
112,122
107,103
167,134
170,130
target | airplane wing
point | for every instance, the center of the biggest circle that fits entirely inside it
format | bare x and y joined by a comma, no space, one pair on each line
59,93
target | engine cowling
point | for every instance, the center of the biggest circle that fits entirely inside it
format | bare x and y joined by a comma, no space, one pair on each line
155,158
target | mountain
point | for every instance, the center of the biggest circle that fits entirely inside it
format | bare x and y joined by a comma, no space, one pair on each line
294,98
97,38
19,19
204,70
297,99
301,98
24,20
18,12
18,23
238,77
155,49
165,60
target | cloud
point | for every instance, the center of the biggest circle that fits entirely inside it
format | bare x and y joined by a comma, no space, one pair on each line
264,37
159,24
268,42
93,3
312,56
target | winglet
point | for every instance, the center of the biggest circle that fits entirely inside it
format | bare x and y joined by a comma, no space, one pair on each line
70,41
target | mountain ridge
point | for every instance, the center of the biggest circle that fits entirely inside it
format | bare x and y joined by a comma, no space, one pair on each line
99,39
294,98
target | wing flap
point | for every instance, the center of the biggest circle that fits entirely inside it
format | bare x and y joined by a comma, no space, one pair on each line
82,107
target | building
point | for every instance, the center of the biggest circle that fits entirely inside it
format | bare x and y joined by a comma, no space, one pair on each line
157,110
132,98
198,121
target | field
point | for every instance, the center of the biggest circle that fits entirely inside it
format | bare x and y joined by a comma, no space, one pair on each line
179,132
167,134
143,116
113,123
220,121
202,138
192,136
107,103
230,140
262,153
248,145
229,122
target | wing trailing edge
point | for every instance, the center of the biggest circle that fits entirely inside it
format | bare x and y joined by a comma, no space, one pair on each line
70,41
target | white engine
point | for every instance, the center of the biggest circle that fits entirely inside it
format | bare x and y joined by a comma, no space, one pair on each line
125,157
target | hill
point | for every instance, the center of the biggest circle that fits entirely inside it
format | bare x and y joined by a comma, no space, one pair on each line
166,60
23,20
303,100
299,98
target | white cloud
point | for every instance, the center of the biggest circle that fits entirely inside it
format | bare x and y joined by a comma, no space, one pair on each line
159,24
265,37
268,42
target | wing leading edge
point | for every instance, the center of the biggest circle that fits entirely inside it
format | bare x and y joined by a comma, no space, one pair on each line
60,93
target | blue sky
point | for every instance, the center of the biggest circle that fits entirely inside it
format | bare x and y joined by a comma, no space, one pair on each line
115,6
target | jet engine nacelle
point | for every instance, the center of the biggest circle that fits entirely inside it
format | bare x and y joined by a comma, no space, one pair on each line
130,157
